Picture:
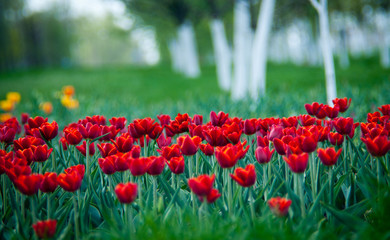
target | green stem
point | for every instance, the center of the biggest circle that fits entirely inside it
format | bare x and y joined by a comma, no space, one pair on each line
155,193
201,209
252,203
173,180
3,181
130,219
140,191
53,159
230,197
331,186
197,164
265,181
301,193
76,218
313,176
48,205
190,167
33,209
145,147
87,162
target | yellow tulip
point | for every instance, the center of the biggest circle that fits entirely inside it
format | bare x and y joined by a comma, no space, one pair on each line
46,107
7,105
13,97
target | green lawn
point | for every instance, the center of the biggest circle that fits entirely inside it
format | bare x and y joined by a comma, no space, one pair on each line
137,91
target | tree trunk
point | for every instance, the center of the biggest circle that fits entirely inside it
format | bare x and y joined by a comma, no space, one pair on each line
188,51
222,54
259,51
242,47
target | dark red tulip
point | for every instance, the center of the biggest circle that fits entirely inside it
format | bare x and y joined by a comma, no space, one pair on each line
169,152
36,122
323,133
141,127
135,152
155,165
41,153
141,140
279,206
49,182
118,123
196,130
385,109
232,132
281,144
197,120
342,125
156,132
71,180
164,119
245,177
373,117
290,122
218,120
124,143
297,163
107,164
262,141
201,185
263,154
64,144
80,169
176,165
214,136
306,120
343,103
82,148
90,131
276,131
45,229
73,136
24,117
49,130
138,166
212,196
189,146
163,141
207,149
27,154
107,149
122,161
328,156
28,184
111,132
250,126
378,146
15,171
126,192
312,109
95,119
335,138
308,144
7,134
332,112
228,156
27,142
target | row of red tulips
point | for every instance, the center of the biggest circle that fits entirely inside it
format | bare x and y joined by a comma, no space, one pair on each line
221,138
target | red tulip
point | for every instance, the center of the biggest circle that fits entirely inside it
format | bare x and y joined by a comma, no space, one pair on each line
164,119
49,130
308,144
335,138
228,156
189,146
36,122
279,206
27,154
214,136
343,103
163,141
28,184
176,165
138,166
124,143
212,196
45,229
245,177
297,163
218,120
201,185
49,182
385,109
141,140
332,112
155,165
41,153
196,130
27,142
262,141
73,136
323,133
197,120
141,127
232,132
135,152
107,164
83,151
90,131
263,154
180,124
276,131
107,149
64,144
71,180
289,122
169,152
281,144
122,161
15,171
111,132
378,146
312,109
250,126
207,149
343,126
95,119
328,156
7,134
127,192
306,120
119,123
24,117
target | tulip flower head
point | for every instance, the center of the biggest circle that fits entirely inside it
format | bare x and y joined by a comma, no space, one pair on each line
126,192
45,229
279,206
329,156
245,177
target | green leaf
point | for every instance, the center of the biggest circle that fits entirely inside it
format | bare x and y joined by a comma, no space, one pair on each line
349,220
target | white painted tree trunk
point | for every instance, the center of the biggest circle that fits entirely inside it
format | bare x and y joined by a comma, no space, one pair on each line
382,20
259,51
242,47
173,47
322,9
188,51
222,54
